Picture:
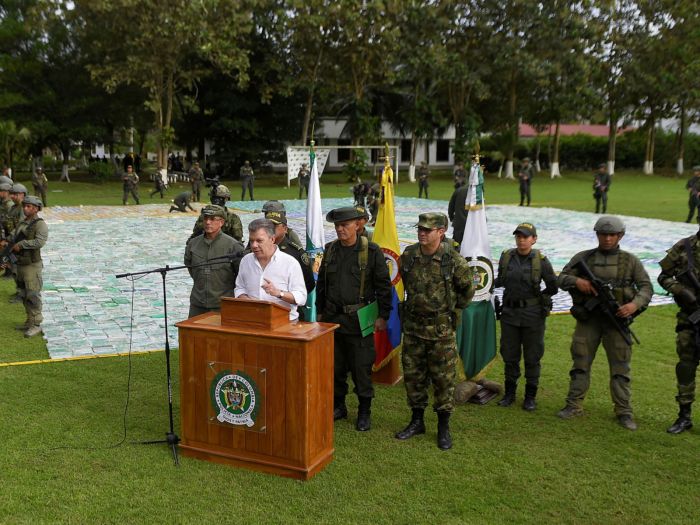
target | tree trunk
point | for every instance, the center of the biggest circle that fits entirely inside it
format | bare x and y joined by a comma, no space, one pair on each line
649,154
308,111
554,166
681,141
538,148
612,140
412,164
514,127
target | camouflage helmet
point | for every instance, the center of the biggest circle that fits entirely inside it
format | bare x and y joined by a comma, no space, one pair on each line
222,191
609,224
6,179
18,188
4,186
35,201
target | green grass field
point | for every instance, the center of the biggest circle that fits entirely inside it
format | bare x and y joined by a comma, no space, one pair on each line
60,420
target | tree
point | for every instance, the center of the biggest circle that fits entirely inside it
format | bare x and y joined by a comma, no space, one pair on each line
12,139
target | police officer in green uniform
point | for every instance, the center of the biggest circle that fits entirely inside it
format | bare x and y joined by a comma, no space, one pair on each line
247,180
352,275
679,276
601,185
525,176
423,179
693,187
438,285
277,206
27,239
216,280
632,289
525,308
40,184
233,227
458,211
304,176
196,177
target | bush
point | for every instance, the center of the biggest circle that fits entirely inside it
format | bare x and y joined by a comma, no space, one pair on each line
101,171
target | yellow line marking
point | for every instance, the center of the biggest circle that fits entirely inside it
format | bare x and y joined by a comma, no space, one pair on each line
77,358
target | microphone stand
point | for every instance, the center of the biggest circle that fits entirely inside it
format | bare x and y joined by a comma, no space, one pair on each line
171,438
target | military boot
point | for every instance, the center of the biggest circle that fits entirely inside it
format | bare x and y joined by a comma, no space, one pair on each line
32,331
364,412
529,402
570,411
683,422
415,427
444,439
626,421
340,411
509,397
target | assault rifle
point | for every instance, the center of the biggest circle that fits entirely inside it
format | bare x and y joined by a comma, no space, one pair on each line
6,256
606,303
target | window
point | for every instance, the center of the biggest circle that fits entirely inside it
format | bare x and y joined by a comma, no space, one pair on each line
343,154
405,151
442,153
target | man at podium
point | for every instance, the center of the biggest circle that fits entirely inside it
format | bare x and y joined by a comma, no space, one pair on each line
268,273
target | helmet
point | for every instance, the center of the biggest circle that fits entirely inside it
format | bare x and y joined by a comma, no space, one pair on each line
18,188
36,201
222,191
273,206
609,224
6,179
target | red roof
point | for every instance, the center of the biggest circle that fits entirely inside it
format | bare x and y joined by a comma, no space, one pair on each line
596,130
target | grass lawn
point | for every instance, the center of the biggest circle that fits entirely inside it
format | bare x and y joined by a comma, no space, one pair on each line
60,420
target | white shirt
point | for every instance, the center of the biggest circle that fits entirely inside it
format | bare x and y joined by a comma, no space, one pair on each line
283,271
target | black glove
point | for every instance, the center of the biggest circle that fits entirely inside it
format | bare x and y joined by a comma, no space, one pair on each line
686,299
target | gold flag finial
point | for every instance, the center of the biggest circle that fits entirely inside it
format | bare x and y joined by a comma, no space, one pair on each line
477,148
386,158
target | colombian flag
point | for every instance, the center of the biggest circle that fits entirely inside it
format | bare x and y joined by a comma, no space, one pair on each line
387,343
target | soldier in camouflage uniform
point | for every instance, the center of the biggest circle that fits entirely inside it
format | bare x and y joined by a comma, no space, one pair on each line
438,284
601,185
15,215
247,180
181,202
131,185
693,187
353,274
525,176
304,177
423,179
29,266
679,276
632,289
5,204
525,308
40,184
233,227
196,177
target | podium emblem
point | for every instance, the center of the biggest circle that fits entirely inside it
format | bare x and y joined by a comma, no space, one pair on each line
234,398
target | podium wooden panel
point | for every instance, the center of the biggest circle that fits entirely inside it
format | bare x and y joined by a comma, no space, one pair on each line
297,440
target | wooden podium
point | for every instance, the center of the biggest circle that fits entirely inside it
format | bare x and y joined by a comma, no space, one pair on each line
256,390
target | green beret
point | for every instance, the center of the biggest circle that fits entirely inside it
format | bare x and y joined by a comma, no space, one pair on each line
212,210
346,214
432,221
525,228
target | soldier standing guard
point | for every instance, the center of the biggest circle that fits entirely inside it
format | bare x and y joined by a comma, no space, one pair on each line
679,276
525,176
693,187
525,308
196,177
460,175
423,179
304,177
131,185
632,289
438,284
40,183
353,274
28,238
247,180
601,185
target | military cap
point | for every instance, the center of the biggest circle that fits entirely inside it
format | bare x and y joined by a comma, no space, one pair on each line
212,210
526,228
4,186
278,217
273,206
39,168
345,214
432,221
609,224
222,191
35,201
696,168
603,166
526,159
18,188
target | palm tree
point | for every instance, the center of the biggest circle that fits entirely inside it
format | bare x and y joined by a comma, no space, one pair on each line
11,139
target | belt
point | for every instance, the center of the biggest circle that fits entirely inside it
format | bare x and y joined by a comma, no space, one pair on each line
521,303
352,308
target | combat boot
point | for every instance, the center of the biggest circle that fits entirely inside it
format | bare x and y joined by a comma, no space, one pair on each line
509,397
626,421
364,412
340,411
444,439
32,331
415,427
683,422
529,402
570,411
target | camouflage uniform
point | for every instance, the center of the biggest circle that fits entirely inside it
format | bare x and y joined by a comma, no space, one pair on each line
40,184
630,283
693,187
304,177
182,202
423,180
247,180
676,279
131,186
196,177
601,185
525,175
5,204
